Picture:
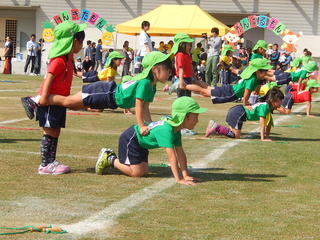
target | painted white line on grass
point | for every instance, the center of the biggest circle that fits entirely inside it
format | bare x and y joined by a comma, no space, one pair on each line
38,154
13,121
107,217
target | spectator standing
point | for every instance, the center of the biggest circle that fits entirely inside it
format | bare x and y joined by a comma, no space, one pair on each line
8,54
88,50
98,57
32,47
144,41
214,45
37,65
274,57
94,51
128,53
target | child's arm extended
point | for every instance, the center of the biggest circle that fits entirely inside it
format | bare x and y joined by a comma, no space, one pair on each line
146,112
264,131
246,96
140,111
175,168
44,99
182,159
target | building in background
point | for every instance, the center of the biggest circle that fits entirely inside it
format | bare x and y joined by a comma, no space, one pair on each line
20,18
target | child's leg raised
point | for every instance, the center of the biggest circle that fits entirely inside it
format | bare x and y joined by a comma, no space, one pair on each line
73,101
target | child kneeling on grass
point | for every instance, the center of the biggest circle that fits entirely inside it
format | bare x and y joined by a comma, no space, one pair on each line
133,147
258,112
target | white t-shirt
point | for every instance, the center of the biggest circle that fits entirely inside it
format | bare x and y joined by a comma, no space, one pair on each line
143,39
33,45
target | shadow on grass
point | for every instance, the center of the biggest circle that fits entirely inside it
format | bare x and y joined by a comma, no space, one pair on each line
287,139
304,113
165,172
7,140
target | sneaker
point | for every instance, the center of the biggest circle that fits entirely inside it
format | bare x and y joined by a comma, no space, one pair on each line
188,132
211,129
54,168
104,160
174,86
29,106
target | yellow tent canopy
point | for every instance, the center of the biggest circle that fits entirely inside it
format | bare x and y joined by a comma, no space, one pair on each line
168,20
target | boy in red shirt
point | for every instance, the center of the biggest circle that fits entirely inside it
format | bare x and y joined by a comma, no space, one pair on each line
293,97
69,38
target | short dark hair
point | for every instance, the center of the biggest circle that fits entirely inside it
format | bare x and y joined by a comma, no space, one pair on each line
88,42
99,41
79,36
145,24
33,35
199,44
274,94
182,47
215,30
276,44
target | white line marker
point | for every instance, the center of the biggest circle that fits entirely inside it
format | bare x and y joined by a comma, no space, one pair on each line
106,218
13,121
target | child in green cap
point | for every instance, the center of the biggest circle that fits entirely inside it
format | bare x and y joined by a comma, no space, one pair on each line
68,41
137,91
259,50
133,147
258,112
251,79
110,69
225,64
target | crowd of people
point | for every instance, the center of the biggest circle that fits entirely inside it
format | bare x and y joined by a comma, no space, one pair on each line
222,73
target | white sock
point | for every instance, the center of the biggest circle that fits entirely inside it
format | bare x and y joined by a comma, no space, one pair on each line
36,99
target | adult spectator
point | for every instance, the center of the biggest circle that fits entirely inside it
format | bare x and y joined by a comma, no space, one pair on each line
8,54
144,41
88,50
87,64
94,51
32,47
214,45
37,65
128,53
98,58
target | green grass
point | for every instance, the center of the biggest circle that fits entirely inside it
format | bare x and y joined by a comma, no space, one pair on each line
256,190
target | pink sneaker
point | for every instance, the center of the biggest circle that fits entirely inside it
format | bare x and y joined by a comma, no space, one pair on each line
54,169
211,129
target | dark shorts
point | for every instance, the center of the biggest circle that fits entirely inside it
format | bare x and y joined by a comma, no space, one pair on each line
52,116
236,116
287,102
90,77
283,78
181,92
130,152
223,94
99,95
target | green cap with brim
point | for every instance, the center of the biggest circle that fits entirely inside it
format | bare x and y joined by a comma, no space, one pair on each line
150,60
255,65
296,62
113,55
312,83
310,66
260,44
180,38
63,34
225,49
181,107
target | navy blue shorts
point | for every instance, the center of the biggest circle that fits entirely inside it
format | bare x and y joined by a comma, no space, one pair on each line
130,152
287,102
223,94
52,116
283,78
90,77
182,92
99,95
236,116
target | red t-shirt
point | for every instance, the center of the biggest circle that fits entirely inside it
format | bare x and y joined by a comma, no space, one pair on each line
184,61
295,87
62,69
304,96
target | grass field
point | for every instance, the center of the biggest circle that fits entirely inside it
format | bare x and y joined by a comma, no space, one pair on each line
254,190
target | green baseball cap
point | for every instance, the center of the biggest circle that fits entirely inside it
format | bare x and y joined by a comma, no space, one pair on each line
225,49
312,83
311,66
296,62
113,55
255,65
260,44
63,34
148,62
179,38
180,107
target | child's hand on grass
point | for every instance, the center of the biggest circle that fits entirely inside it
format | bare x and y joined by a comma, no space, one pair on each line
189,178
186,182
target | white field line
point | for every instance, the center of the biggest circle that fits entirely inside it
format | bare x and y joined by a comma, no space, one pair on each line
13,121
106,218
38,154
